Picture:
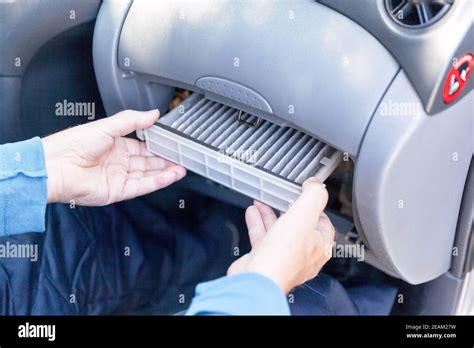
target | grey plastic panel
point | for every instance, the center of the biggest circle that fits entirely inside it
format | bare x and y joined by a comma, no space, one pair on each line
254,157
409,181
437,297
231,90
26,25
464,231
121,89
424,54
304,59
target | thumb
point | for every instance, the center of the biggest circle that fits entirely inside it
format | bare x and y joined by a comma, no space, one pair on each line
309,205
126,122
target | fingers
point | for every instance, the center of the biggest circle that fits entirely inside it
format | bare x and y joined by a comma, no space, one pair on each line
143,160
326,228
126,122
321,249
259,218
136,148
309,205
141,183
140,163
255,224
139,174
268,215
326,237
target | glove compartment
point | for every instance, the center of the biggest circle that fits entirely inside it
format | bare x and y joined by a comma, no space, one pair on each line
298,65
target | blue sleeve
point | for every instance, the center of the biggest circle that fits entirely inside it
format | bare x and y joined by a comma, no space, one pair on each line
241,294
23,194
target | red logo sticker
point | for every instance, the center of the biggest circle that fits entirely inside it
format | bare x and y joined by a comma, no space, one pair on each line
457,78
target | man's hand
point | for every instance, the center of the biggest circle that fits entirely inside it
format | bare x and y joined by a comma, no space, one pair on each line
94,164
292,249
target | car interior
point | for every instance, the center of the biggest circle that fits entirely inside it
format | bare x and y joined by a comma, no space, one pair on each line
356,93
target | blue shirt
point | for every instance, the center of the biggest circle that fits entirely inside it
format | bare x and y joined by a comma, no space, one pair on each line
23,194
23,199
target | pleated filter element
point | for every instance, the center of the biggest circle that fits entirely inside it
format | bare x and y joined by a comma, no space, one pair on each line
241,151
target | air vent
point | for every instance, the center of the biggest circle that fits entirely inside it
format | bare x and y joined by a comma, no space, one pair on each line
417,13
238,150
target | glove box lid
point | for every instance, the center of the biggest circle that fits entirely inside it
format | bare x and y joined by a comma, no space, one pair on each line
303,64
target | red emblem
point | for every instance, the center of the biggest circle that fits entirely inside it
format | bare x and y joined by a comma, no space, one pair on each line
457,78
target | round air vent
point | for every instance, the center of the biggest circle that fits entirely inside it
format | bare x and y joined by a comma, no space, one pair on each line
417,13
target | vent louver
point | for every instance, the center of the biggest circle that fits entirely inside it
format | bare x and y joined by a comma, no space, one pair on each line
417,13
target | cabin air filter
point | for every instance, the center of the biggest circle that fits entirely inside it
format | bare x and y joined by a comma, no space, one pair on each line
243,152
